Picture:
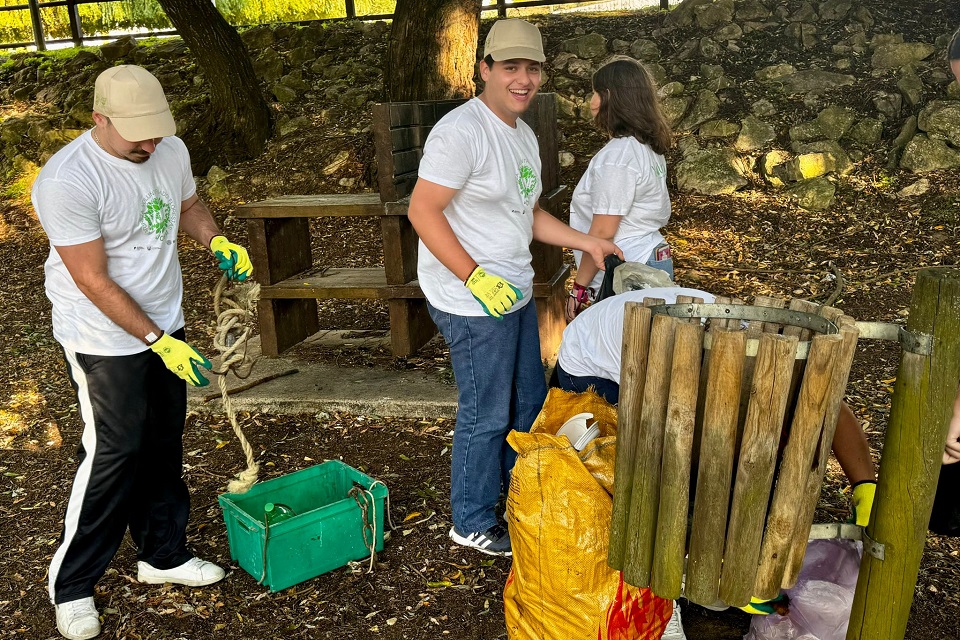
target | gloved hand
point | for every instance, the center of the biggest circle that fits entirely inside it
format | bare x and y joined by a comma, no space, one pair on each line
494,294
182,359
863,493
761,607
233,258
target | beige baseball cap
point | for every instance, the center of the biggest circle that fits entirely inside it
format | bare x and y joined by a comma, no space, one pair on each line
514,39
134,101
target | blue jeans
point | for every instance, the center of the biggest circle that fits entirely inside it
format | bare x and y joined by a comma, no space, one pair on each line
501,387
606,389
663,265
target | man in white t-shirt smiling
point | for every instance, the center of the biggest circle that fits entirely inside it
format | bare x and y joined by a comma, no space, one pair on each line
112,202
475,209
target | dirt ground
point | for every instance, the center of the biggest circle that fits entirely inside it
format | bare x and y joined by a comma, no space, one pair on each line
749,243
421,587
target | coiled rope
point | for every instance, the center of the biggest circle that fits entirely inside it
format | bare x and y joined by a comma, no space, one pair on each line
234,307
368,503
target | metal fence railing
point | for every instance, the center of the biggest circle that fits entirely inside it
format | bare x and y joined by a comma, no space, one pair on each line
77,36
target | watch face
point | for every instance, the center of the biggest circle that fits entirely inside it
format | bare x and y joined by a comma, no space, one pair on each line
151,338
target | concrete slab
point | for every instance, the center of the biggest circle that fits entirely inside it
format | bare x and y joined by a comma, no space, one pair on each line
290,386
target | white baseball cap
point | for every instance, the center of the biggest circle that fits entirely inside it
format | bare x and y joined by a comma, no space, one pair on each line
514,39
134,101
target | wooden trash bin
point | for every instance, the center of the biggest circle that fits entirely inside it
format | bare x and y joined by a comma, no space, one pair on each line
734,406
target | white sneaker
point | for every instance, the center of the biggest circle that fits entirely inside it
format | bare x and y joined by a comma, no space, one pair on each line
674,630
193,573
495,541
78,619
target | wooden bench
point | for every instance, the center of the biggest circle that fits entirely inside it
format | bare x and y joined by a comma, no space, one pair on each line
279,239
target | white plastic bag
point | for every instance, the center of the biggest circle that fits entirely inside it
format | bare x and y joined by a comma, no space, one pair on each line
631,276
821,600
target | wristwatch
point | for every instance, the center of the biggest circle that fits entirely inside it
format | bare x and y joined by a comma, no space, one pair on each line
151,337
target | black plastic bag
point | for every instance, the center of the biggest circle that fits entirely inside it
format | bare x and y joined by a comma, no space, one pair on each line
945,519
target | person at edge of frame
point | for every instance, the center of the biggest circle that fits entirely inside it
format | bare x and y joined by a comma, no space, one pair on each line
111,203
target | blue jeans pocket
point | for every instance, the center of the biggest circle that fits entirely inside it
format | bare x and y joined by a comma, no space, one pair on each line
666,263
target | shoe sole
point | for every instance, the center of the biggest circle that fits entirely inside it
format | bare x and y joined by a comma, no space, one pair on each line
187,583
70,636
463,542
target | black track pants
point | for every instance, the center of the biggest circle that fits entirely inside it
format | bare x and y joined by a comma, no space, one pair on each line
129,473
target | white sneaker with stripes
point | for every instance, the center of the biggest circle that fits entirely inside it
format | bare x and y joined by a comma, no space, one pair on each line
495,541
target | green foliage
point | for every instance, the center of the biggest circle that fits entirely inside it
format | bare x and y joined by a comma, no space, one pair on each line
884,182
103,17
19,183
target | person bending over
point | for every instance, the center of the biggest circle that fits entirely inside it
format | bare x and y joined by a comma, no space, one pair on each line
111,203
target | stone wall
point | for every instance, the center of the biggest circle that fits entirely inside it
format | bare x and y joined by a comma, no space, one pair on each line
761,93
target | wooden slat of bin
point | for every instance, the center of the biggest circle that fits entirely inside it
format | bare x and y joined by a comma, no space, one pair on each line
719,431
633,375
645,493
713,324
670,546
758,454
849,334
804,335
755,329
805,431
315,206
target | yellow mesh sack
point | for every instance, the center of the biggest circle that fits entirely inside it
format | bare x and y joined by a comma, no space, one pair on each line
558,510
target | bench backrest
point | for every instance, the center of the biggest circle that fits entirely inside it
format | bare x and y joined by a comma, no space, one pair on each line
400,130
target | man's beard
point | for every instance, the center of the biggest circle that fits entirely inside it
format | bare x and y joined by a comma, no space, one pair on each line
138,157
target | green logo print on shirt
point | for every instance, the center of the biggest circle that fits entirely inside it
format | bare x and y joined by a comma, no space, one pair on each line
157,214
526,181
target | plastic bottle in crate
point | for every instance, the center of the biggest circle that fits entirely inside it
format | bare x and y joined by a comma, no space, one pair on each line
277,513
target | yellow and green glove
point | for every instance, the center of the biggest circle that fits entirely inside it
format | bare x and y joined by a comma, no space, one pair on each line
761,607
494,294
233,258
182,359
863,493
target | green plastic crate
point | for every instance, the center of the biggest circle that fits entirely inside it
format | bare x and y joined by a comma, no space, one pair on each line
326,533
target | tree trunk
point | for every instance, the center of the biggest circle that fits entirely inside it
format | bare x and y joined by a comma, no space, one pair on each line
432,50
237,124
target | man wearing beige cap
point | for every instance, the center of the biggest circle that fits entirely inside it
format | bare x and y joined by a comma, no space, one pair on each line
111,203
475,209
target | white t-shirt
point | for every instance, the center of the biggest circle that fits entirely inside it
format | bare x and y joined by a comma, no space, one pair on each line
83,193
626,178
593,342
495,169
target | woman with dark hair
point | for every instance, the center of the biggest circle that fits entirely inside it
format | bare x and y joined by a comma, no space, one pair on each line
623,196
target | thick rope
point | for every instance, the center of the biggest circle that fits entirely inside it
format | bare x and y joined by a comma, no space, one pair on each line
234,309
367,502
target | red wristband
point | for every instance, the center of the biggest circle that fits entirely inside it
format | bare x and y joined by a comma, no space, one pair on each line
581,293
